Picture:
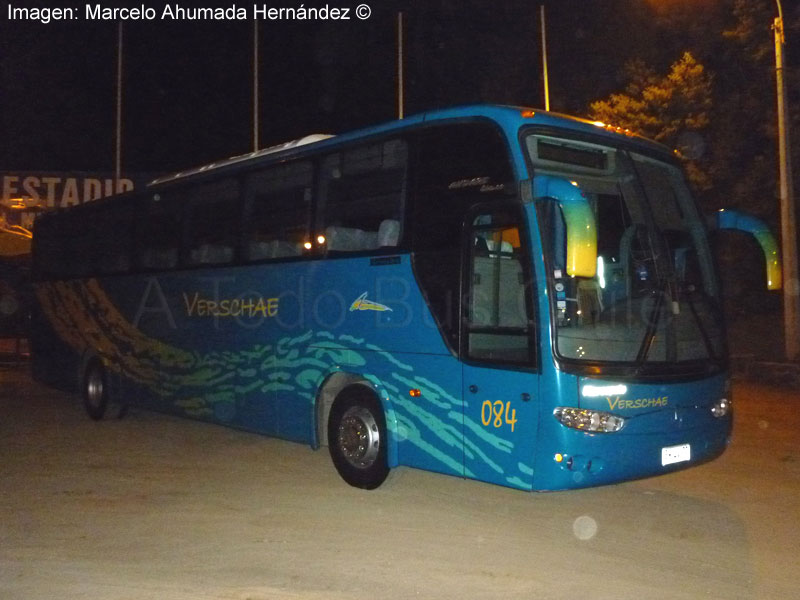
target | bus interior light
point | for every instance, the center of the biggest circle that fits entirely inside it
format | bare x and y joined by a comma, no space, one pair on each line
593,421
601,272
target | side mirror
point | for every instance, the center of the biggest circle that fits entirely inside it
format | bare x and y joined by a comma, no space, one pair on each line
579,220
740,221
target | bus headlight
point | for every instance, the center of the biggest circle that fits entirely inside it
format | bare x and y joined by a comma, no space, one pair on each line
721,407
595,421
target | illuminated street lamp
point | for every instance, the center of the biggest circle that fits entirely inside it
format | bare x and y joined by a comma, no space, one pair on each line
791,284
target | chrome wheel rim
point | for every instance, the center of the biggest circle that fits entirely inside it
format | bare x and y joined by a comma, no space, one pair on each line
359,437
94,388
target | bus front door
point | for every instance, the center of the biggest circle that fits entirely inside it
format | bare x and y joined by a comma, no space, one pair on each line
500,383
500,423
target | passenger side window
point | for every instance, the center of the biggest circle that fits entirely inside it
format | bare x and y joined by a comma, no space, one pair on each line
362,191
498,302
159,231
48,252
213,223
279,211
76,235
113,239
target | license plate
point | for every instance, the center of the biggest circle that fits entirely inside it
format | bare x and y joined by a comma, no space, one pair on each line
675,454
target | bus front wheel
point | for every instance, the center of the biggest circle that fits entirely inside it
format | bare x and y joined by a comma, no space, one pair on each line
96,394
357,438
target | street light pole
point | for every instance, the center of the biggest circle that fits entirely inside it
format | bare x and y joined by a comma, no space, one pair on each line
544,61
255,86
400,90
791,283
118,135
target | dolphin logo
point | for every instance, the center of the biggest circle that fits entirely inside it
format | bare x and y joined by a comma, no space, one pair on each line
361,303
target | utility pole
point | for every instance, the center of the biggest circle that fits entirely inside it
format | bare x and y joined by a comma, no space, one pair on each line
791,283
118,140
400,90
255,85
544,61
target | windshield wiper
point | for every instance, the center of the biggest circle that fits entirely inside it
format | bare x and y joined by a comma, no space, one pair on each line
653,320
652,326
701,327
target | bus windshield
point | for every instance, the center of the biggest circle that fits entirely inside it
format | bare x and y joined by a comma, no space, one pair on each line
654,298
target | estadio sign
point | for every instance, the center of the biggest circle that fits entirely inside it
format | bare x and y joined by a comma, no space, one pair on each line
58,190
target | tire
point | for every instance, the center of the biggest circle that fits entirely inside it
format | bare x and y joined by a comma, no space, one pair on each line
96,400
357,438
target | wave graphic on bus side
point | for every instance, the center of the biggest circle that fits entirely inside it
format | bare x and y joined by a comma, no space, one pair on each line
211,385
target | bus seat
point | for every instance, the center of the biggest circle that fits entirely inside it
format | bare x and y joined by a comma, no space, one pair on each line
272,249
211,254
388,233
370,240
481,246
282,249
159,258
258,250
114,263
511,296
348,239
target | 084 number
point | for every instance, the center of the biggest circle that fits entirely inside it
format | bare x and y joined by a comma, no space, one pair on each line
498,413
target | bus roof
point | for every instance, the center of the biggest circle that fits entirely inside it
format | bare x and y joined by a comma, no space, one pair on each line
308,139
509,117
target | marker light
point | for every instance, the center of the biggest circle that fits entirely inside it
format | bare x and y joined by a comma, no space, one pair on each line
721,407
616,128
307,245
320,239
601,391
594,421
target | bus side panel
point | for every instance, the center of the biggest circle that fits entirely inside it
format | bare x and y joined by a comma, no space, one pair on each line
370,311
201,342
53,361
247,346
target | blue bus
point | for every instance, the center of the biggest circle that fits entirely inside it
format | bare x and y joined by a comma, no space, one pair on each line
491,292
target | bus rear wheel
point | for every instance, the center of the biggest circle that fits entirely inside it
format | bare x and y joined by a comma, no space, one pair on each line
96,399
357,438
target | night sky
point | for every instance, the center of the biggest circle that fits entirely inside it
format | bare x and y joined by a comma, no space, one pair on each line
188,84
